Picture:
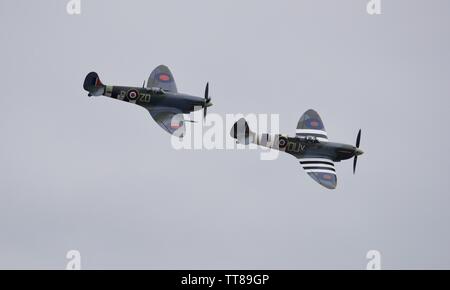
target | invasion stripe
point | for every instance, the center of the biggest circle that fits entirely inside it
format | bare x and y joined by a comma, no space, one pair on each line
311,131
317,162
320,171
313,135
318,167
315,159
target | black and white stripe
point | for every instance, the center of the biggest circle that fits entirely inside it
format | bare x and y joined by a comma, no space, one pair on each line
318,165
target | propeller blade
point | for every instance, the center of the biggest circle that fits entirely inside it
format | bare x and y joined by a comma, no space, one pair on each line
207,92
355,160
358,139
207,100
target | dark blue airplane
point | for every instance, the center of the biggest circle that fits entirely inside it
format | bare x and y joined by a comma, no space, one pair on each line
310,146
160,97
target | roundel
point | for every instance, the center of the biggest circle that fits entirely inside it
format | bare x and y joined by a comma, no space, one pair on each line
327,176
175,124
314,124
133,94
282,142
164,77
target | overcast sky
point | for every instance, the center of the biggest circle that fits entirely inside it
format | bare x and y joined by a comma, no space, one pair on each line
100,176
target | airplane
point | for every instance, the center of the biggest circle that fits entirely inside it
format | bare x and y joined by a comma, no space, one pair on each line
160,97
310,146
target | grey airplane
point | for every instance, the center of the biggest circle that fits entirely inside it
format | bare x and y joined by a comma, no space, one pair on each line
160,97
310,146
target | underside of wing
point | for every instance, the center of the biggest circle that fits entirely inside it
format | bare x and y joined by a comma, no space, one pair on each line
310,124
321,170
170,119
161,77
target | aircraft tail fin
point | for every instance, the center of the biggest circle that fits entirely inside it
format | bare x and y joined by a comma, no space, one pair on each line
242,133
94,85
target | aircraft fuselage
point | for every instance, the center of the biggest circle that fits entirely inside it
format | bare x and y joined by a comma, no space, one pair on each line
152,97
308,148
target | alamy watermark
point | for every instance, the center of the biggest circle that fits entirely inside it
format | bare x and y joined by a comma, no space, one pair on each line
214,133
374,258
374,7
73,7
74,258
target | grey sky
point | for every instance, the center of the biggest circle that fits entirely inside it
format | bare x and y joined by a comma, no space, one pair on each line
100,176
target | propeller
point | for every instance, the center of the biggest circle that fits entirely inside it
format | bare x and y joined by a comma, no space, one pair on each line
358,152
207,100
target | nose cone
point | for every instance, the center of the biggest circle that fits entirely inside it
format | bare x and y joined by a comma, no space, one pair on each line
358,152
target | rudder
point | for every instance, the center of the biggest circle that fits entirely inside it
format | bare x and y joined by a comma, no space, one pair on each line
93,84
241,131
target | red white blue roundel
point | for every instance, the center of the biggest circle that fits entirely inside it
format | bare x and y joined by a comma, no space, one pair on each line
282,142
175,124
314,124
164,77
132,95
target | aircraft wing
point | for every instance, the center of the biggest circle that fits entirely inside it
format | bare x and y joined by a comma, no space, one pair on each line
170,119
161,77
321,170
310,124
